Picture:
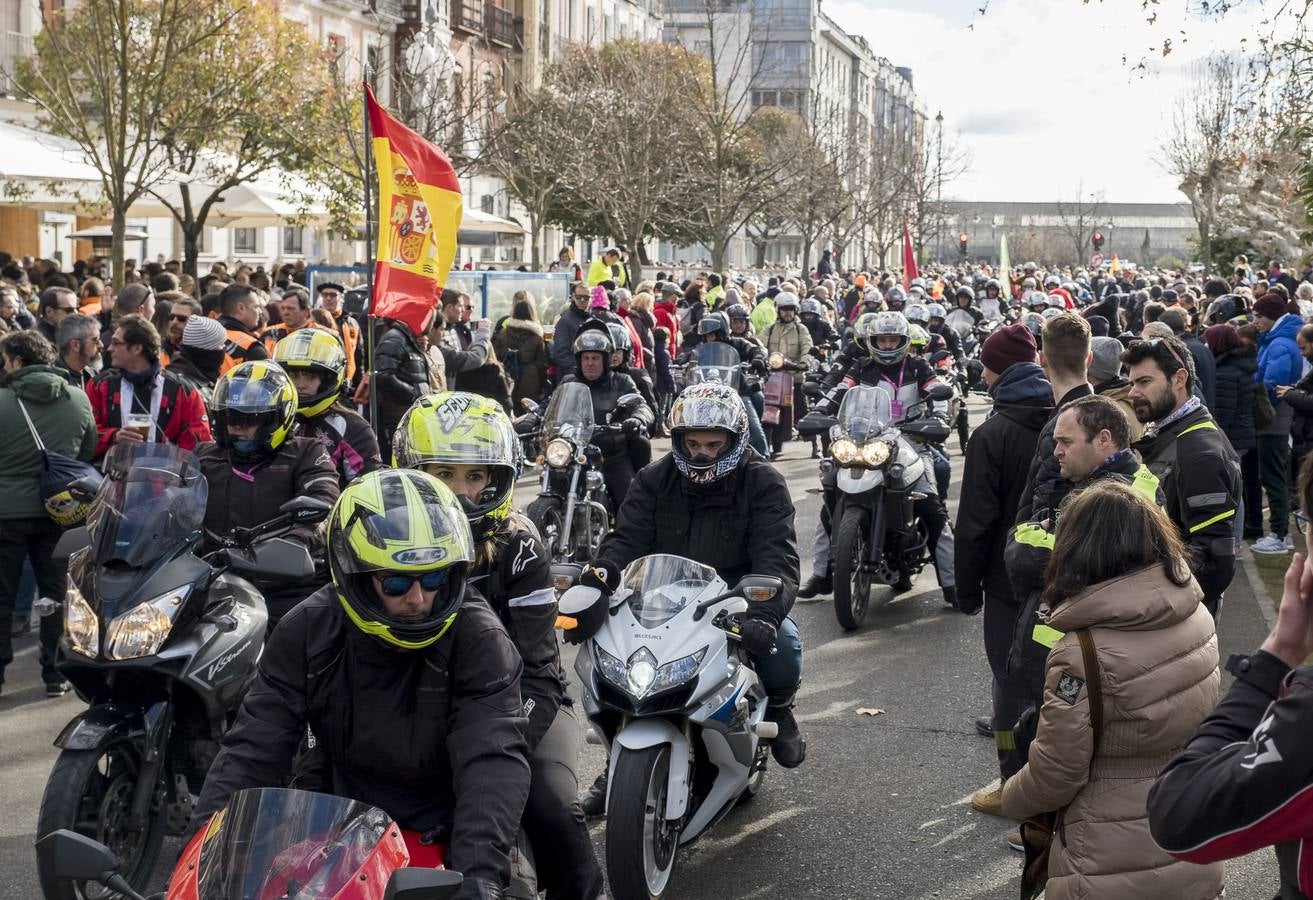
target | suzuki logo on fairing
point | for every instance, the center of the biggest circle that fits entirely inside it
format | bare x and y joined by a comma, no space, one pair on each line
222,662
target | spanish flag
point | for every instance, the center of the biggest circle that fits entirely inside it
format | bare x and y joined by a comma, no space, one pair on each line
419,213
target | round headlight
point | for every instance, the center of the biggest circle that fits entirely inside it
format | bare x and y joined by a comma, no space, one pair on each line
844,451
558,453
776,360
875,453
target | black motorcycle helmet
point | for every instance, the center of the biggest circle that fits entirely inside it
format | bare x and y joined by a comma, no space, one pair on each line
714,323
593,337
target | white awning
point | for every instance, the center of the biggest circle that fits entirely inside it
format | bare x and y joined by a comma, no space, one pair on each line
476,220
255,204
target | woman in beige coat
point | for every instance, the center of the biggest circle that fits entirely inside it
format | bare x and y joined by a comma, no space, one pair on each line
1119,571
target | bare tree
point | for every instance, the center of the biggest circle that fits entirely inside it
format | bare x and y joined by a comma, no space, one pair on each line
932,172
878,177
1078,219
107,74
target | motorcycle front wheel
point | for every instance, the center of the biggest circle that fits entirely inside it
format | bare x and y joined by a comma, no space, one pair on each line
90,792
546,515
852,581
640,844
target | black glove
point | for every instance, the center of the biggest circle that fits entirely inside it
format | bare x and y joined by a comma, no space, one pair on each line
589,601
758,636
631,427
478,889
813,389
759,366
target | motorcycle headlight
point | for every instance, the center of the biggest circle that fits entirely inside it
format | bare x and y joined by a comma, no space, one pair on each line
612,669
875,453
673,674
81,624
141,630
558,453
776,360
844,451
642,672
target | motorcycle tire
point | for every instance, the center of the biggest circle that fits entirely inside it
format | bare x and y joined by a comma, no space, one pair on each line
548,517
639,868
77,796
758,777
852,585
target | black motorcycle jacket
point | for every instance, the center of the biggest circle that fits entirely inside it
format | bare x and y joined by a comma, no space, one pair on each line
950,337
434,738
606,392
350,442
740,525
517,582
1244,780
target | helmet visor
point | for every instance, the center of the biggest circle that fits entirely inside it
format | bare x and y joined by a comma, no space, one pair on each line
253,395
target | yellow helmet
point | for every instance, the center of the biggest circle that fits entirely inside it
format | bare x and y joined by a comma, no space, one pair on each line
393,523
257,393
320,352
919,337
459,428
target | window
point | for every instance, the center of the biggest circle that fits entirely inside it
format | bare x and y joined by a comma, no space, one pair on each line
293,241
780,57
487,203
765,98
784,13
244,240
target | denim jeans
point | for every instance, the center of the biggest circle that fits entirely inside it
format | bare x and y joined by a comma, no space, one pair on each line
756,435
781,672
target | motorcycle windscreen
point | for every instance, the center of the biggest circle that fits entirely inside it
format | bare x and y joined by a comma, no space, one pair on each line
717,363
960,321
866,412
271,843
570,414
153,497
662,586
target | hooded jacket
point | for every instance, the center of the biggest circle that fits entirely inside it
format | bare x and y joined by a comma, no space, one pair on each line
1279,363
1157,653
666,316
994,474
1300,400
1233,406
525,338
62,417
1118,390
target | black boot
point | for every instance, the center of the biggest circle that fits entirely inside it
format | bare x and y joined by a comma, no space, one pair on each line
950,597
984,726
816,586
788,747
594,799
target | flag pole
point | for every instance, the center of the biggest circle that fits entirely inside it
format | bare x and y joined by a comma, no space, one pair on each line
370,245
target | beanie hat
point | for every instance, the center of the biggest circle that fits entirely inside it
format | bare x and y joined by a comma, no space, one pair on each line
1106,361
203,333
1270,306
599,300
1098,325
1007,347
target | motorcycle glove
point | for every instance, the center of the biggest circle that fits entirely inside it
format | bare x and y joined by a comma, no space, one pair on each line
758,636
632,427
759,366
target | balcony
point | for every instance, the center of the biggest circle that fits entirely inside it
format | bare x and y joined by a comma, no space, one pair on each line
501,25
467,15
13,47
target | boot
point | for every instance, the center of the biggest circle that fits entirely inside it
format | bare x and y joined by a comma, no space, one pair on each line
950,597
594,799
815,586
989,800
984,726
789,748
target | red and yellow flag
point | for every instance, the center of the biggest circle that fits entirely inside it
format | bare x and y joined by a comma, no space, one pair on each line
419,213
909,259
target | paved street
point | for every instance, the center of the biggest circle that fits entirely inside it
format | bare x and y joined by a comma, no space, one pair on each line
879,810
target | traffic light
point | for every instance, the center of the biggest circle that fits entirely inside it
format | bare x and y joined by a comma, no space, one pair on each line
1097,238
962,241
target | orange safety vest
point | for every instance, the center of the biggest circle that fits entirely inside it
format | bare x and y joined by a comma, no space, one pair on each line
237,348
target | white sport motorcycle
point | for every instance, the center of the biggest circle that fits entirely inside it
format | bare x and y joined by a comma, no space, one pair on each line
670,691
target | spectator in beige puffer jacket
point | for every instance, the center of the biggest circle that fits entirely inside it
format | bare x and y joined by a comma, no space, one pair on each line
1120,571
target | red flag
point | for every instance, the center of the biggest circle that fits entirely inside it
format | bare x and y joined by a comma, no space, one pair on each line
909,260
419,213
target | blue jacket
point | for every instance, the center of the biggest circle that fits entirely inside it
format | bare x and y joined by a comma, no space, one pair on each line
1279,361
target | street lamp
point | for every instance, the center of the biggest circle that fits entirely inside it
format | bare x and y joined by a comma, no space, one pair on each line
939,186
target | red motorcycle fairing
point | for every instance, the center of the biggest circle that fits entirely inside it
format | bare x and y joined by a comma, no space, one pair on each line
321,857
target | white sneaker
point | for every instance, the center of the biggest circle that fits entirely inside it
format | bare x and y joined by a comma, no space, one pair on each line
1290,544
1271,545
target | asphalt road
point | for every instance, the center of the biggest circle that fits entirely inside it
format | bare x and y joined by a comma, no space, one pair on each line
879,810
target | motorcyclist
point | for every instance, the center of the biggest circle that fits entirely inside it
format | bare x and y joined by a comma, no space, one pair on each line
620,359
405,677
994,306
714,328
714,500
895,299
879,356
793,342
626,453
257,462
468,443
818,325
316,363
740,322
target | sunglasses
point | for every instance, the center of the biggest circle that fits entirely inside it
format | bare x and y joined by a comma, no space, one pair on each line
397,584
179,318
1154,342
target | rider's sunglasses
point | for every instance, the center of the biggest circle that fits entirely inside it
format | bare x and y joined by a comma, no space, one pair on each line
397,584
1154,342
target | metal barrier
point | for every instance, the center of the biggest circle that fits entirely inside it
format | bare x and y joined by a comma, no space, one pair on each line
494,292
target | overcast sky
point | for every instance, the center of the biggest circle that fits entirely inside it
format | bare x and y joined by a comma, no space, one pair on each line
1038,91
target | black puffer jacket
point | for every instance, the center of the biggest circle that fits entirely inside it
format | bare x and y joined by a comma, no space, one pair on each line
1300,399
1233,403
994,475
401,375
739,525
433,738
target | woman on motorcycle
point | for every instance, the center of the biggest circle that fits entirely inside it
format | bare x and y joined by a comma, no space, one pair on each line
789,338
316,363
407,680
468,443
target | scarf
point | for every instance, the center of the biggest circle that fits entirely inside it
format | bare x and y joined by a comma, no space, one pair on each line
1180,412
144,379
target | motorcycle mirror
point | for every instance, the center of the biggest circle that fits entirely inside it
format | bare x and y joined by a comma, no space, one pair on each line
307,509
758,588
84,490
422,884
940,392
78,857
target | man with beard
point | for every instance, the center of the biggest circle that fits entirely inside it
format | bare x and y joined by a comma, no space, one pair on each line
1194,462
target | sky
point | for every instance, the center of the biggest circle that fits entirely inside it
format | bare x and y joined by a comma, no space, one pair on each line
1038,92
